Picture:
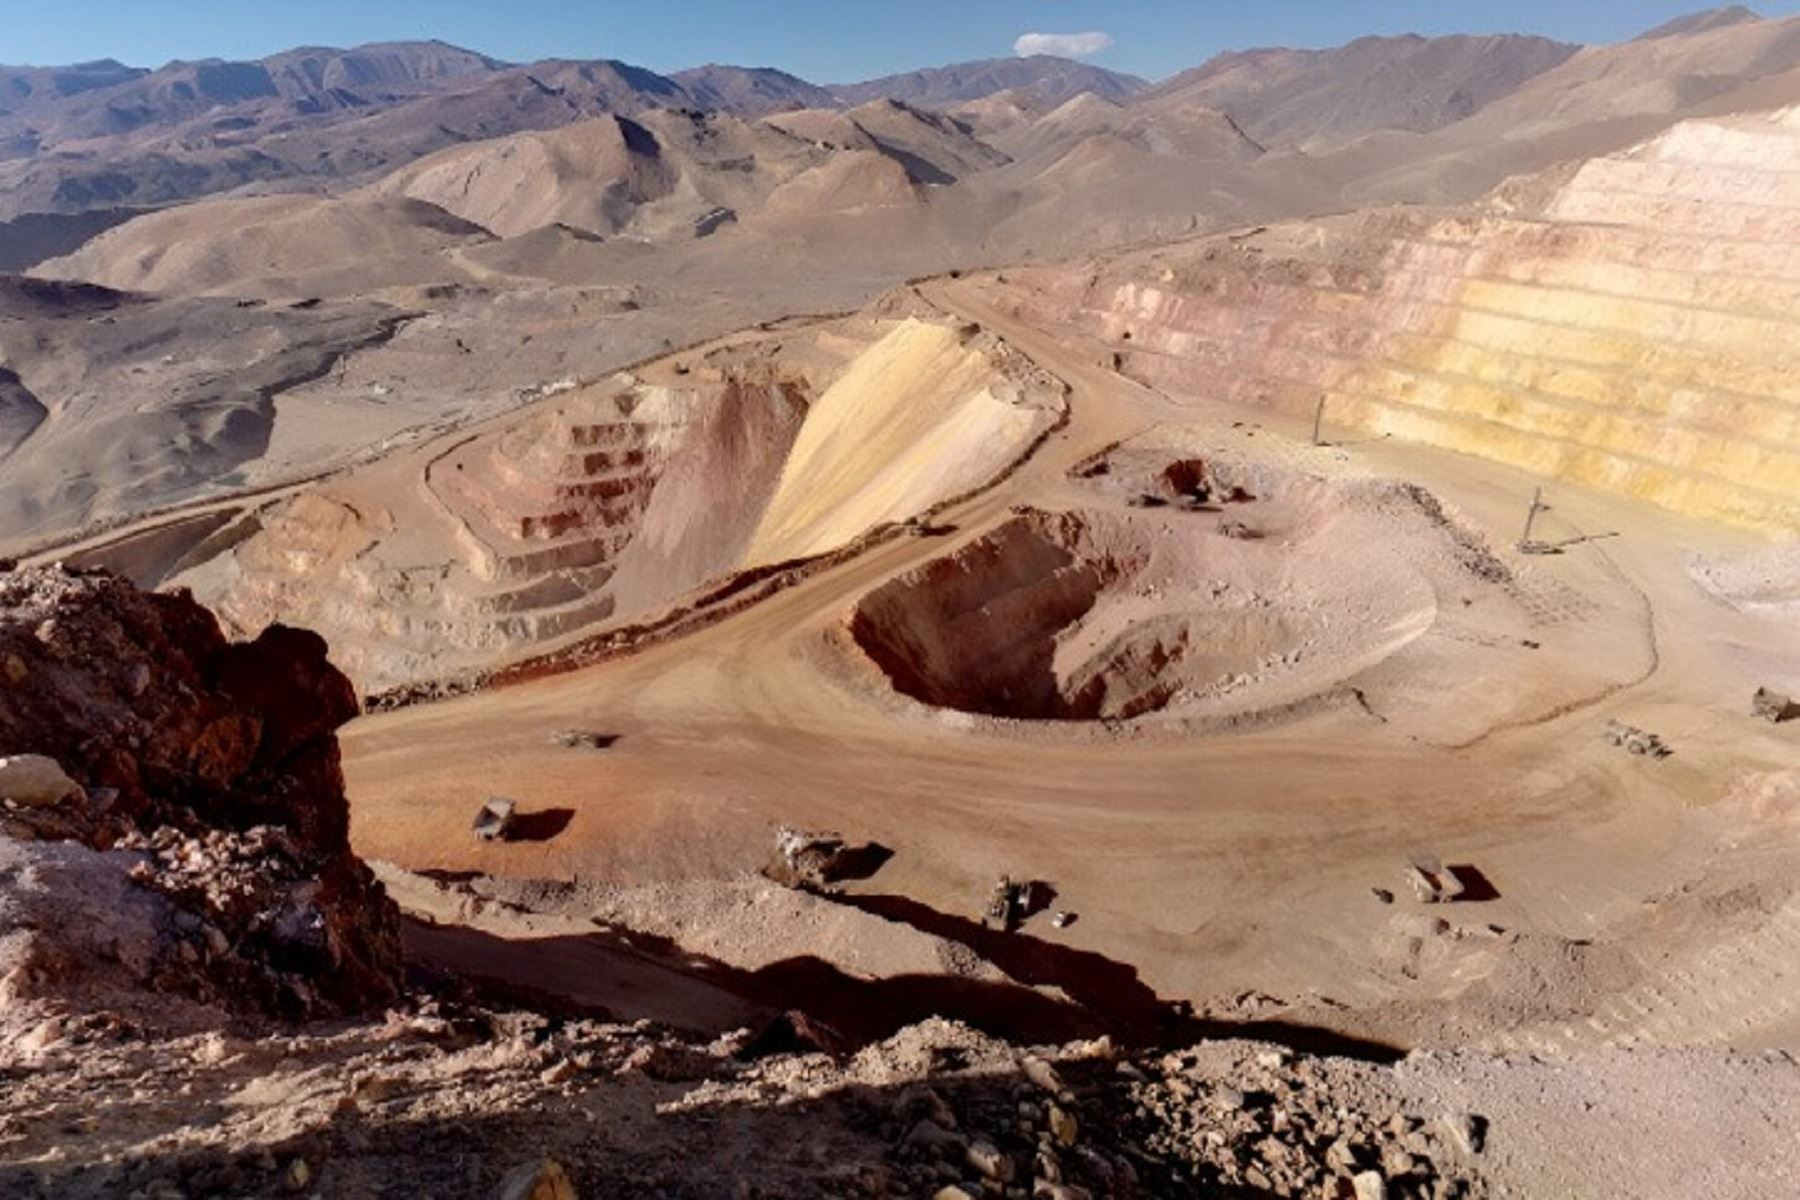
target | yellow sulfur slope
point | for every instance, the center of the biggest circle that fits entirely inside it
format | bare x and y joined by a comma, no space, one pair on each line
917,418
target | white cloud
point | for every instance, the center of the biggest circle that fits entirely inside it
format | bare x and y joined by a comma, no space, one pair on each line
1062,45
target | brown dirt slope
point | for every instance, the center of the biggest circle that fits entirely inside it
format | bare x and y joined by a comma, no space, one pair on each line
1313,98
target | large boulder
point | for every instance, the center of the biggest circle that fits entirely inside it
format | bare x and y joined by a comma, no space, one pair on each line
212,768
33,781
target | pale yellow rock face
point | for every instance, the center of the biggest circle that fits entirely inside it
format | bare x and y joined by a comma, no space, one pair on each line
916,419
1641,334
1650,348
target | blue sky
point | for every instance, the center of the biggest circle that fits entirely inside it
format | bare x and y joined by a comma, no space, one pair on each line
824,40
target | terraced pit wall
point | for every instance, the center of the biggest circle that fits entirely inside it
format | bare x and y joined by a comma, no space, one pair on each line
1636,331
633,496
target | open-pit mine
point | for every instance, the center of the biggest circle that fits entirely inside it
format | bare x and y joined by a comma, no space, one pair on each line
1051,637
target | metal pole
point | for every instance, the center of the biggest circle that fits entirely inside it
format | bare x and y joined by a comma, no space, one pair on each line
1537,502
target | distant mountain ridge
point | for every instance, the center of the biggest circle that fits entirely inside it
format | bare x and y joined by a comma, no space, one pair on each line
323,77
109,136
1702,22
106,97
28,89
750,91
1409,83
105,137
1050,81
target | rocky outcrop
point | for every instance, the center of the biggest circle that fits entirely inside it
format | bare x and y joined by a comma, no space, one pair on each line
208,779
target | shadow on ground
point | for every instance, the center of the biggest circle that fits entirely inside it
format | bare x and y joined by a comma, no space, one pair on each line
1052,993
539,826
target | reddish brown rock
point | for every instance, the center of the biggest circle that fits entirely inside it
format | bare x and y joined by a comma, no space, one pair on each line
219,763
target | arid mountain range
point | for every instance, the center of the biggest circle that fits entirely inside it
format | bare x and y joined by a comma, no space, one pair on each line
102,136
97,136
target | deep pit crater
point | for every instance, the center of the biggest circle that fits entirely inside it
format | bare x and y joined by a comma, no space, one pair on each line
1186,588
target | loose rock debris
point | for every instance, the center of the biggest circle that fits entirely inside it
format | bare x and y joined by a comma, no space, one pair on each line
1226,1120
1635,740
583,739
544,1180
36,781
1773,707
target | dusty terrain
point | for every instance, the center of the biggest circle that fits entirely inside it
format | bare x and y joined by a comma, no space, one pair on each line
1636,939
1499,658
480,546
177,899
1252,587
458,1103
